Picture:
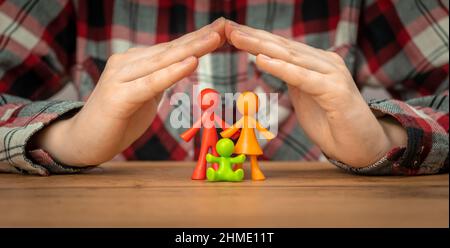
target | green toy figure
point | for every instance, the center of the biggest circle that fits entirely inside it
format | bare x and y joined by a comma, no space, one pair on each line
225,148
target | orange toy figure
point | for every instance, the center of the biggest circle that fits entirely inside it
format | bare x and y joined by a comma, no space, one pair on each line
209,100
247,105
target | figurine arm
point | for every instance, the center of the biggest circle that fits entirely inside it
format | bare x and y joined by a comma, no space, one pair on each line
223,124
187,136
266,133
212,159
239,159
231,130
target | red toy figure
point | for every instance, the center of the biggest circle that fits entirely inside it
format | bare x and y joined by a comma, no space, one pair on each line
209,100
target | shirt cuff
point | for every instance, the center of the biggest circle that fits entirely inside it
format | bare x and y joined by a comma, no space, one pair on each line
44,159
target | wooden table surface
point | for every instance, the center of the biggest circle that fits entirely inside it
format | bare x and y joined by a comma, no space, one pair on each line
161,194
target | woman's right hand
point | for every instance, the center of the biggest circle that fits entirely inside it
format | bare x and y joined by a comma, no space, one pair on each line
124,102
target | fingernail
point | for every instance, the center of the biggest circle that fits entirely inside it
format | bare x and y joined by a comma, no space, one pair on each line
268,60
207,36
216,22
232,23
264,57
187,60
242,33
220,19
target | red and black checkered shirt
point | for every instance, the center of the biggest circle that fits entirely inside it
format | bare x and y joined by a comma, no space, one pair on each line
397,49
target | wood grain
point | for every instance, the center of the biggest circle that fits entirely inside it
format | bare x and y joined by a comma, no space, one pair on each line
161,194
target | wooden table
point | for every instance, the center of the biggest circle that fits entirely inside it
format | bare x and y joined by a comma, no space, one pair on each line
161,194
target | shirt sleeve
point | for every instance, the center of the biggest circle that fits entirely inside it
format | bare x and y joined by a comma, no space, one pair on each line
37,52
403,47
20,119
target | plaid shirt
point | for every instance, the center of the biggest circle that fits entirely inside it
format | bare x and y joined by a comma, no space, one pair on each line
399,46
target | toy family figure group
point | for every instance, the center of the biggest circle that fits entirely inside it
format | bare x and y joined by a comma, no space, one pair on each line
222,168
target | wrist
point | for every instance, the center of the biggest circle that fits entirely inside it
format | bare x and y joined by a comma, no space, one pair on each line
395,132
386,134
373,139
390,135
56,139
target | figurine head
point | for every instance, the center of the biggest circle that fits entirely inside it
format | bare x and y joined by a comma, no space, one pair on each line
208,98
225,147
247,103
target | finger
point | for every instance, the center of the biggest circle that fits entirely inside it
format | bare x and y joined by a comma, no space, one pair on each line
154,84
257,46
228,29
280,47
217,26
311,82
262,34
148,65
231,26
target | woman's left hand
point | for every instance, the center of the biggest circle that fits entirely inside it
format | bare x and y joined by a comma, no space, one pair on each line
327,102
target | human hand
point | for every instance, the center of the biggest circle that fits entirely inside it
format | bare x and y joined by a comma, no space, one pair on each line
124,102
327,102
